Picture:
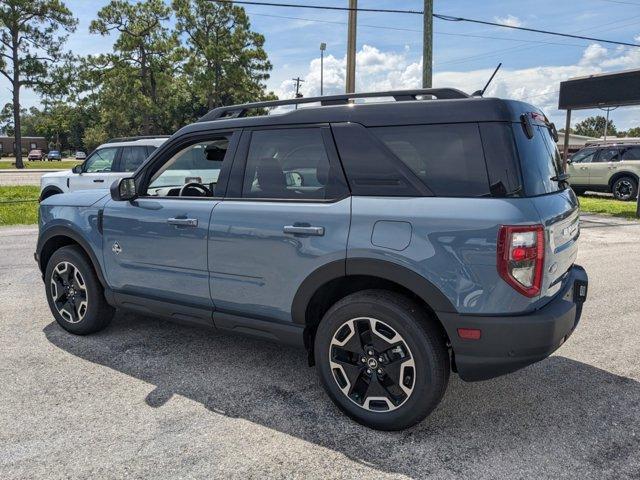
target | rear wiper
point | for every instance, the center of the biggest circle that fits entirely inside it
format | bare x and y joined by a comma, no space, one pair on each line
562,179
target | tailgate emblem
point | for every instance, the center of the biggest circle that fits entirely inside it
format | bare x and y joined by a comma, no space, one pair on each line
570,230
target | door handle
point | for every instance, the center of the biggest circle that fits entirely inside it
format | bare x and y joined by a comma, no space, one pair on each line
183,222
98,180
303,230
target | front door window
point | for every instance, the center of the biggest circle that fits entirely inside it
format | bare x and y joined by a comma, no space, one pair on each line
101,161
193,171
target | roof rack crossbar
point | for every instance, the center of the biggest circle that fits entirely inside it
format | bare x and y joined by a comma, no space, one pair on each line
235,111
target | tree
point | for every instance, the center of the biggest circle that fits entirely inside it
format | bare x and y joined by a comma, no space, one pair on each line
594,127
632,132
226,62
135,78
29,47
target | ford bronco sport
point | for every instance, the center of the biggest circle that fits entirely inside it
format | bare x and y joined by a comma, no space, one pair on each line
116,159
395,241
612,166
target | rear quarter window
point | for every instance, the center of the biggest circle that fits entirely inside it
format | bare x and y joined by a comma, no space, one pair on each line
447,158
539,160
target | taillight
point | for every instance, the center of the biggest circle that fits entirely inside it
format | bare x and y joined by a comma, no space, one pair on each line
521,257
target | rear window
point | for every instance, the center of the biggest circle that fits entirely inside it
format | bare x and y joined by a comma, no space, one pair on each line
539,160
448,158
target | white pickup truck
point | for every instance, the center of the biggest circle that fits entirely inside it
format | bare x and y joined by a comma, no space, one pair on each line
107,163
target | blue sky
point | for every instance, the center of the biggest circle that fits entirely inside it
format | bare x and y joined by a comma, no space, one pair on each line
390,46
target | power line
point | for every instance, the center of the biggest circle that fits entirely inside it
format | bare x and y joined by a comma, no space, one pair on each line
401,29
448,18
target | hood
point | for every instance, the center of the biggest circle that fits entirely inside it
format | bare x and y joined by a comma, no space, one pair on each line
81,198
57,174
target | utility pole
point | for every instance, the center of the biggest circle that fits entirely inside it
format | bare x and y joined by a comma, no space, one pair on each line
427,45
298,81
323,47
351,47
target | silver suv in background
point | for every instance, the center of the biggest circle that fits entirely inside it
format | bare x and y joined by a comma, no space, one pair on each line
108,162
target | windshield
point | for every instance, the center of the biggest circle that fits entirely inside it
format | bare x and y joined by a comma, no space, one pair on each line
540,161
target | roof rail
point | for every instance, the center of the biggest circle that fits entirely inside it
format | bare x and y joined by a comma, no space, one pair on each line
236,111
132,139
614,141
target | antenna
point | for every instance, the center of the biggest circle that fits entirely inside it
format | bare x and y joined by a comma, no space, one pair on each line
479,93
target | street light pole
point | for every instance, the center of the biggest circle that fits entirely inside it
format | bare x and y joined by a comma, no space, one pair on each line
323,47
351,47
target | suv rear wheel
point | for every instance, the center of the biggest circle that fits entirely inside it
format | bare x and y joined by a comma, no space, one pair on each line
74,293
381,359
625,188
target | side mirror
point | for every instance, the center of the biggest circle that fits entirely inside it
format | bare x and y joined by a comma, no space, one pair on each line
77,169
124,189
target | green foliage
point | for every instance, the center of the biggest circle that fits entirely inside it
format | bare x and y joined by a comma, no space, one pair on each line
594,127
31,49
225,61
23,208
632,132
607,206
171,63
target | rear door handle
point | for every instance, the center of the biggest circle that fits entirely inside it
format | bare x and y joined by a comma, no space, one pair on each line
303,230
98,180
183,222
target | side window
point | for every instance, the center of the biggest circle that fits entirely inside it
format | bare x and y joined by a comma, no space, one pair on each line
199,163
101,161
151,149
631,153
609,155
584,156
287,163
132,158
448,158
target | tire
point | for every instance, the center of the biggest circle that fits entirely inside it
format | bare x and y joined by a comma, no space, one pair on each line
89,312
414,349
625,188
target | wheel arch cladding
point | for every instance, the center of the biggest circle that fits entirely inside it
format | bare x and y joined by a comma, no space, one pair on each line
48,191
58,237
618,175
328,284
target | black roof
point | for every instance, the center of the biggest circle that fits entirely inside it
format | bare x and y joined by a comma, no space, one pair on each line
452,106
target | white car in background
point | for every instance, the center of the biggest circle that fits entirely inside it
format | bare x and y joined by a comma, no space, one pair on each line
106,163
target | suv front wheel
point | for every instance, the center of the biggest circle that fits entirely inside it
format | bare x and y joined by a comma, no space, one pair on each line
75,295
625,188
381,359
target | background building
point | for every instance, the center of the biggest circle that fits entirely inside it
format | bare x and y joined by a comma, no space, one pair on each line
8,145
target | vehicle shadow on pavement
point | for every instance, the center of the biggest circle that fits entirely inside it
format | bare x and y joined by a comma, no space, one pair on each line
560,411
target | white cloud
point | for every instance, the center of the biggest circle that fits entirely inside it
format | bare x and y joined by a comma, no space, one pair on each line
379,70
510,20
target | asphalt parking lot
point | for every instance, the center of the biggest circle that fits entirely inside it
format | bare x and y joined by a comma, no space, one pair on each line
149,399
9,177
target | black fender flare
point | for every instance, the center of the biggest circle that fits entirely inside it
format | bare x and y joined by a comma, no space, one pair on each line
64,231
50,189
624,173
382,269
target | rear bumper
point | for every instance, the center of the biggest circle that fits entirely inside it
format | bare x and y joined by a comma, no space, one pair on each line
508,343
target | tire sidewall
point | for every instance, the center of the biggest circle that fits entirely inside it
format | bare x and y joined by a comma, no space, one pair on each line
428,387
634,188
95,299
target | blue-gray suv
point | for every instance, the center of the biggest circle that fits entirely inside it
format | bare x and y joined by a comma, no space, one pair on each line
395,241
